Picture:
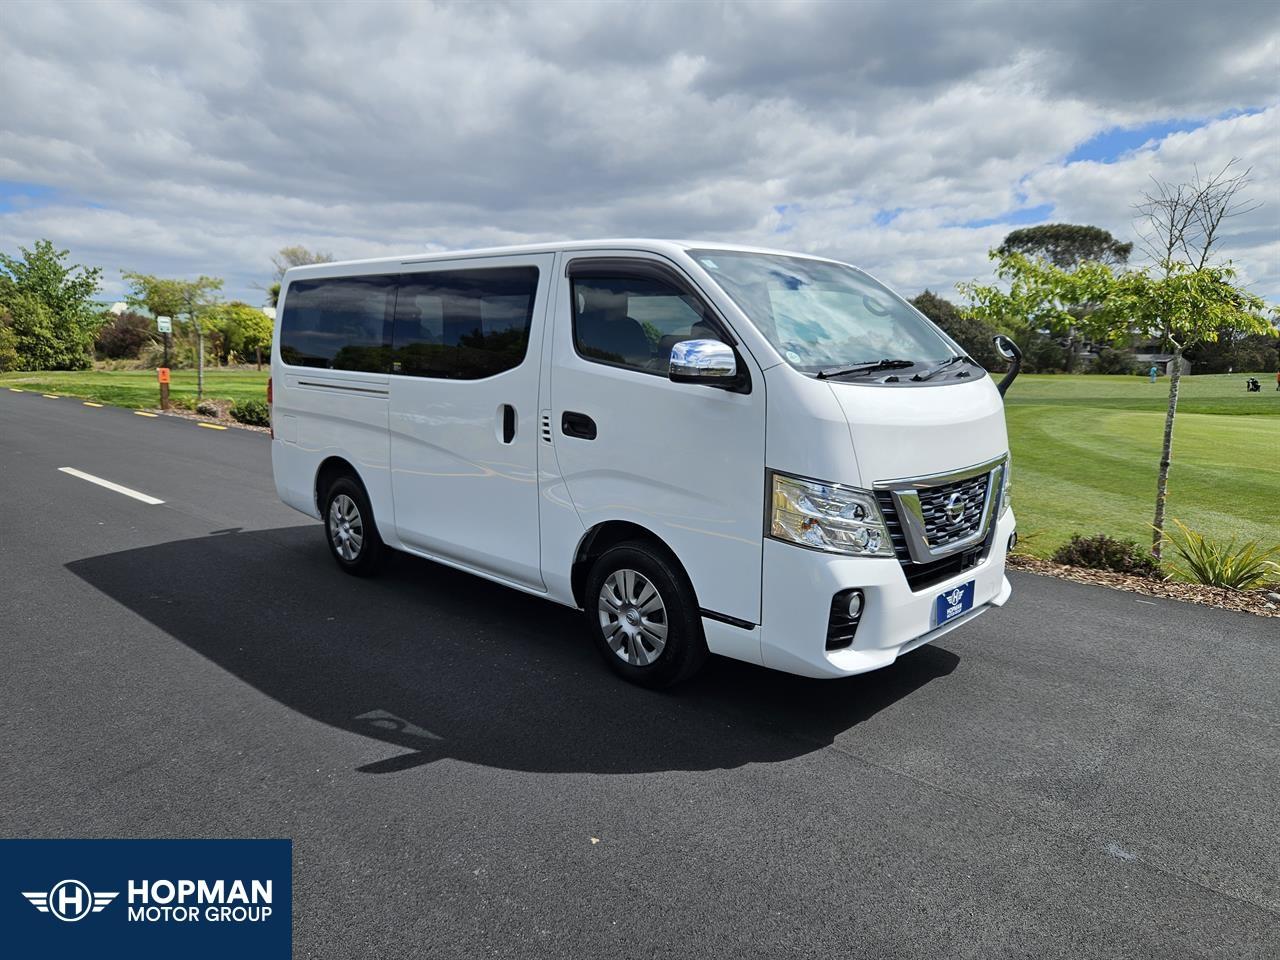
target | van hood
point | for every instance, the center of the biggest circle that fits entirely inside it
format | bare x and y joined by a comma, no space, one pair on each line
902,432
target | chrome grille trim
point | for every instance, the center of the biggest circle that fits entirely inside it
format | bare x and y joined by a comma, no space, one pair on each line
921,506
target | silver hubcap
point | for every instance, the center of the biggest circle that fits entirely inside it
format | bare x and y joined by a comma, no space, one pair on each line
346,529
633,617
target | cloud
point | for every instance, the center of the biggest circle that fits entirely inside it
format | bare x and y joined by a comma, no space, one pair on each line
186,139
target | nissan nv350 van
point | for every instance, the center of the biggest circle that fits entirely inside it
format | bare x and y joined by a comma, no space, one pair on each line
706,449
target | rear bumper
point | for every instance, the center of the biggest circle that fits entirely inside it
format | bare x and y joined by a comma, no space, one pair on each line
798,587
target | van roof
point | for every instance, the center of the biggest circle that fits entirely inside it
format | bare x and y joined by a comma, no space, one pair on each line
647,245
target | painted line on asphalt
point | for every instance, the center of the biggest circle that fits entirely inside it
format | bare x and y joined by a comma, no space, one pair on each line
72,471
14,390
211,426
49,396
143,413
90,403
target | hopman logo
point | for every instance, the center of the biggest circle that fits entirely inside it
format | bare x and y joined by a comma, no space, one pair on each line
955,596
70,900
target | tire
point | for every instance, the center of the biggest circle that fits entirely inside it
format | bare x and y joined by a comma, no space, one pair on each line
350,529
652,637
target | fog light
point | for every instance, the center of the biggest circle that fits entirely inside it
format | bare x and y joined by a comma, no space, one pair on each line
846,611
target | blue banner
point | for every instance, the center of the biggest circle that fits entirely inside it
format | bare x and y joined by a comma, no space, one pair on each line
147,898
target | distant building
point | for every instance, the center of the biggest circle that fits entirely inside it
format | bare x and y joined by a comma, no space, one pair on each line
1162,361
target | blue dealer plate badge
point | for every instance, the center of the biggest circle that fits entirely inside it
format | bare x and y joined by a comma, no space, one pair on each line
147,898
953,603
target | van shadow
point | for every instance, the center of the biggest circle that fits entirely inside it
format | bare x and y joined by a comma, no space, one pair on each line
438,663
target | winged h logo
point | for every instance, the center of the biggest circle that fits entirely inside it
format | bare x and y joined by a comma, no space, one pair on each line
955,596
70,900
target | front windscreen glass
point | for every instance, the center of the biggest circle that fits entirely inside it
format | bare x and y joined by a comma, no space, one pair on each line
824,317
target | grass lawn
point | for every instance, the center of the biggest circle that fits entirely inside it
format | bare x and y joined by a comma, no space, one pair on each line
1086,450
138,388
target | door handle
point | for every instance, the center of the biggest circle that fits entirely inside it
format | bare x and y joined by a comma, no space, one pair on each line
577,425
508,423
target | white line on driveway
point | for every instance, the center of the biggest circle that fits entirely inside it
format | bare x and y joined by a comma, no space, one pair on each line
109,485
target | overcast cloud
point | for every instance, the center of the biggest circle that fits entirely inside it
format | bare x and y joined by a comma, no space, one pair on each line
905,137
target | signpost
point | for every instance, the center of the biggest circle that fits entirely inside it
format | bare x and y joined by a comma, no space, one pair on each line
162,373
165,326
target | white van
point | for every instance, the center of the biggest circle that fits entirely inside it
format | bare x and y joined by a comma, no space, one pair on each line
705,448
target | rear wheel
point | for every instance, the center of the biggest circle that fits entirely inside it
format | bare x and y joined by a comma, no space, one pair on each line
644,617
350,529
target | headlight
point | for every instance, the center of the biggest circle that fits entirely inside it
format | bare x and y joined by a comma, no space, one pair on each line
827,516
1004,487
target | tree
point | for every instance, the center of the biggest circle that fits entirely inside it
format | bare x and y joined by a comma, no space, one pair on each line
1180,226
1174,302
244,330
189,299
973,335
295,256
1067,245
49,302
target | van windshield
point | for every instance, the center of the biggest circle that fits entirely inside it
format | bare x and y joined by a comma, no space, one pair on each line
824,316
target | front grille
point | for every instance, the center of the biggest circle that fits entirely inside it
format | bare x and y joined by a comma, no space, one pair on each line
921,576
940,528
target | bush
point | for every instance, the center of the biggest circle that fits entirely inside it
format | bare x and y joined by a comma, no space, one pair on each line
123,336
207,408
1114,361
1101,552
255,413
1219,564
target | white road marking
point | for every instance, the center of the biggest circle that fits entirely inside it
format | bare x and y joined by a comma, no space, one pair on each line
143,413
109,485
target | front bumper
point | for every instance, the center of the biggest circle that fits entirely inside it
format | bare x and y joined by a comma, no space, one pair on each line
799,584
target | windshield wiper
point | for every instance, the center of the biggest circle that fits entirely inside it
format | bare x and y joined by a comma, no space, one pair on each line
931,373
870,366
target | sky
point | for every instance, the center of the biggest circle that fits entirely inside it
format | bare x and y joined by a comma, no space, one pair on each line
905,137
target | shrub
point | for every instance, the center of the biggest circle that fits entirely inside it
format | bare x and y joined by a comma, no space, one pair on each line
207,408
1114,361
1219,564
123,336
1101,552
255,413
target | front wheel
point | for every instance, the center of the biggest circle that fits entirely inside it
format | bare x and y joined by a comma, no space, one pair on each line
644,617
349,528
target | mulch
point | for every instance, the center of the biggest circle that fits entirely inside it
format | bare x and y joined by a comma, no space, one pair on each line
1264,602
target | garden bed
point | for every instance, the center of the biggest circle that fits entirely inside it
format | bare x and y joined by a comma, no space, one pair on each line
1251,601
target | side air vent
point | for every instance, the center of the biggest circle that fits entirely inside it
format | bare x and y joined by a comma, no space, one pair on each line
546,426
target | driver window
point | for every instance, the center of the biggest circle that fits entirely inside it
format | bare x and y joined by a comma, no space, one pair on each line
634,322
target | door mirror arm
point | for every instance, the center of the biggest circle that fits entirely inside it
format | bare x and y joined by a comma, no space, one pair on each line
1009,350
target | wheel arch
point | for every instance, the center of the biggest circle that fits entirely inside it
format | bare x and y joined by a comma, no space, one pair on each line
610,533
330,469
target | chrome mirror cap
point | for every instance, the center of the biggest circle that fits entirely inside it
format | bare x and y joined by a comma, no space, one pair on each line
1008,349
702,361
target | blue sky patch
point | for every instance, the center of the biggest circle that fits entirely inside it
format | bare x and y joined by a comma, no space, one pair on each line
886,216
16,195
1023,216
1110,145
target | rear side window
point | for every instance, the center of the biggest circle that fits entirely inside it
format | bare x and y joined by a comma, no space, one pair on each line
338,323
463,324
635,321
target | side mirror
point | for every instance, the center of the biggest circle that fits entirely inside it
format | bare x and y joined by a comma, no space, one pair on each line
1009,350
703,361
